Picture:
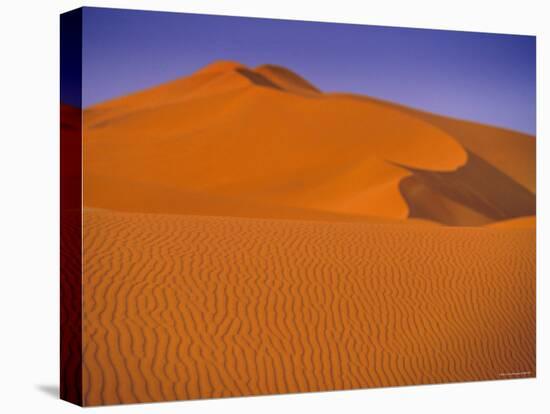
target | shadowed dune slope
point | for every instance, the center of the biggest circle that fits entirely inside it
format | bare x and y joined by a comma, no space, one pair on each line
184,307
286,79
475,194
266,136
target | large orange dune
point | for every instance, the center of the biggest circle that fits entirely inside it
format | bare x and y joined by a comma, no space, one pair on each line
267,137
246,233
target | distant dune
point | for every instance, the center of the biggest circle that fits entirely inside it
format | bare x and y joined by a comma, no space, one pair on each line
181,307
246,233
266,136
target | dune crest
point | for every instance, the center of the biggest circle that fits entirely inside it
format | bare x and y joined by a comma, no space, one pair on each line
221,66
287,79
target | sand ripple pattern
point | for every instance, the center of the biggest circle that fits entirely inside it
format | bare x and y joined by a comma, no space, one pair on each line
186,307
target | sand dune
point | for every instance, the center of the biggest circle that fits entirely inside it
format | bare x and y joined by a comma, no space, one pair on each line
497,182
246,233
181,307
267,136
511,152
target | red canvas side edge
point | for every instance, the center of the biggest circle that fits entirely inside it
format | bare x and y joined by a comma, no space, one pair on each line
71,209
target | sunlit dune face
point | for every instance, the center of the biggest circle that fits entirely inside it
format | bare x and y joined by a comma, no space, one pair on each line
269,136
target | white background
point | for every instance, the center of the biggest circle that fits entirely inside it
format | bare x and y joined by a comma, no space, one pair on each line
29,193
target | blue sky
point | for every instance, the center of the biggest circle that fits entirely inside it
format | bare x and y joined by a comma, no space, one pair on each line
488,78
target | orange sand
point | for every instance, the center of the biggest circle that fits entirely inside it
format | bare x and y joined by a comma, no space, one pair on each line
270,138
246,233
180,307
520,222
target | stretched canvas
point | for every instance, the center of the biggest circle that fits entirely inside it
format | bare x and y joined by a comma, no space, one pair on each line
256,206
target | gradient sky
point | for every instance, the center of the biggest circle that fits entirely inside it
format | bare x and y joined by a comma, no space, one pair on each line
489,78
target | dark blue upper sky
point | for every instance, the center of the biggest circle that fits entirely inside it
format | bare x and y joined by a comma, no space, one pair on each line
489,78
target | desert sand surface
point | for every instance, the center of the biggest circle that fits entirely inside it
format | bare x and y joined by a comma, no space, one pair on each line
520,222
247,233
184,307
